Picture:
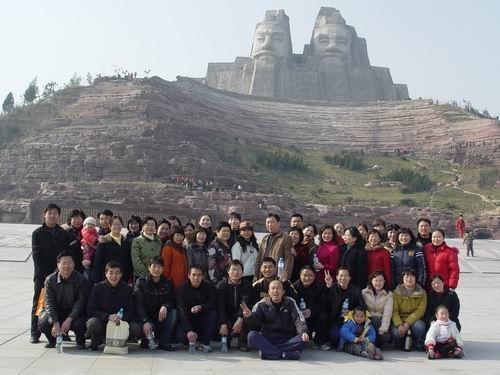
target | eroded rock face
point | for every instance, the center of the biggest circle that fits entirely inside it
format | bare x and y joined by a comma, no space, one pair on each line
141,146
333,67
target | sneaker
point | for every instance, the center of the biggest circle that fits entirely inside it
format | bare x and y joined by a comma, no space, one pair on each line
50,345
92,348
66,338
80,346
205,348
293,355
167,347
370,351
325,348
378,354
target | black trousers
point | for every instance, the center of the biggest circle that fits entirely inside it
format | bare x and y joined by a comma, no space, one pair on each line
77,325
38,285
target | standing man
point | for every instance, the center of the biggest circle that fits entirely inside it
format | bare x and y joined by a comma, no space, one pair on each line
104,222
297,220
276,245
279,330
47,242
234,220
424,232
460,225
65,302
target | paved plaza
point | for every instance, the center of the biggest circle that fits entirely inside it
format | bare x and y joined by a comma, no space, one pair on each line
480,317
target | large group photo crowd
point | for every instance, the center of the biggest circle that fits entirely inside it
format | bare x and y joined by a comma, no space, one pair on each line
164,285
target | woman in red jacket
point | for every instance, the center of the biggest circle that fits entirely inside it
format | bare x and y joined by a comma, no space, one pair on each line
441,259
379,258
328,253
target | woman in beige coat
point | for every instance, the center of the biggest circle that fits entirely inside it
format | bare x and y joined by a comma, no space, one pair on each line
379,303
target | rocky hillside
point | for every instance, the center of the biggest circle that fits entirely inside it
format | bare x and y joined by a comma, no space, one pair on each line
184,136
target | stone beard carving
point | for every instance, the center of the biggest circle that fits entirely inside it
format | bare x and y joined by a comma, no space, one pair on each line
331,40
271,41
333,67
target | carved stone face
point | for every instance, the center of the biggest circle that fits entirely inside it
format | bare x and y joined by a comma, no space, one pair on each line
271,43
332,43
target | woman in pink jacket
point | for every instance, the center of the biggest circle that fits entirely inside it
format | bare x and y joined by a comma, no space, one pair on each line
441,259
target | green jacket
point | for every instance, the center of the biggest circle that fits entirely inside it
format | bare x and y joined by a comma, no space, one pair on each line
142,249
408,308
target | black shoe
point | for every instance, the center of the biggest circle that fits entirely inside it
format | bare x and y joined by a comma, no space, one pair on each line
167,347
144,344
66,338
80,345
92,348
293,355
35,339
50,345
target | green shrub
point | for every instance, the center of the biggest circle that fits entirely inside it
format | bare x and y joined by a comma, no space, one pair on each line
413,181
281,160
407,202
352,160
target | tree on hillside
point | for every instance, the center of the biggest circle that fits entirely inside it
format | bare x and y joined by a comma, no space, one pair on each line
31,93
75,81
8,103
89,79
49,89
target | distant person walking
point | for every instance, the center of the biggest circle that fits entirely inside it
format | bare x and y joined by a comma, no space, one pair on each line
468,242
460,225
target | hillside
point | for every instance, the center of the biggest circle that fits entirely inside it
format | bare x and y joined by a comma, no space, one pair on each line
135,134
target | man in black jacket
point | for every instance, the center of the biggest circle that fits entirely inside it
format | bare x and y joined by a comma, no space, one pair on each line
64,304
106,299
260,288
341,296
311,292
278,328
231,292
154,300
47,242
196,303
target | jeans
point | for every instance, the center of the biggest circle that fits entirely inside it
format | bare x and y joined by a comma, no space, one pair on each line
204,324
418,332
164,330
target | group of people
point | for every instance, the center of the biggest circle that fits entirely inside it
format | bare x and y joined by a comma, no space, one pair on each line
353,289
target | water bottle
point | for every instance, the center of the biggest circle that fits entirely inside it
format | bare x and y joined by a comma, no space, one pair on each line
192,349
59,343
302,304
281,268
408,341
223,344
151,341
315,261
120,313
345,307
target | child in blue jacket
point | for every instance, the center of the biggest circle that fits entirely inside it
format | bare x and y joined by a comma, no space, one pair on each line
357,335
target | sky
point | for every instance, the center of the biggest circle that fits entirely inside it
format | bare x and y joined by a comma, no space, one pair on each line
446,50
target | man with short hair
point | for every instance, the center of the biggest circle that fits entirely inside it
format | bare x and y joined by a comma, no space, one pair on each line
312,293
260,287
64,303
47,242
310,231
339,228
276,245
106,299
154,301
196,303
231,292
279,330
297,220
164,230
341,297
104,222
423,232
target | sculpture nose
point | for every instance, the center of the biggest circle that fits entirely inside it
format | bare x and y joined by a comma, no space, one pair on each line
267,43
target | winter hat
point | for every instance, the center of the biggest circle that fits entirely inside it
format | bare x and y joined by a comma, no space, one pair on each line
89,220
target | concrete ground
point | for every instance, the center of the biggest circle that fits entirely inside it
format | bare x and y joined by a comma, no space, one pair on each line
478,292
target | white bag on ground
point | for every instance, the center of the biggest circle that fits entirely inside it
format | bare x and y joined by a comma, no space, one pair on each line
116,338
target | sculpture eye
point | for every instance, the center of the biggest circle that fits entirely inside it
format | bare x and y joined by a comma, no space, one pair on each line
260,40
342,42
324,40
278,39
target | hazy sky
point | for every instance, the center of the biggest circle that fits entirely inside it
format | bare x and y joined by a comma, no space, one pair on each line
446,49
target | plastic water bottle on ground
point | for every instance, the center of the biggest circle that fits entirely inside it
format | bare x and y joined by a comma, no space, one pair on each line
59,343
151,341
192,348
223,344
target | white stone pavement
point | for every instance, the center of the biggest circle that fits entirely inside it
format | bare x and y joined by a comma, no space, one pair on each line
478,291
